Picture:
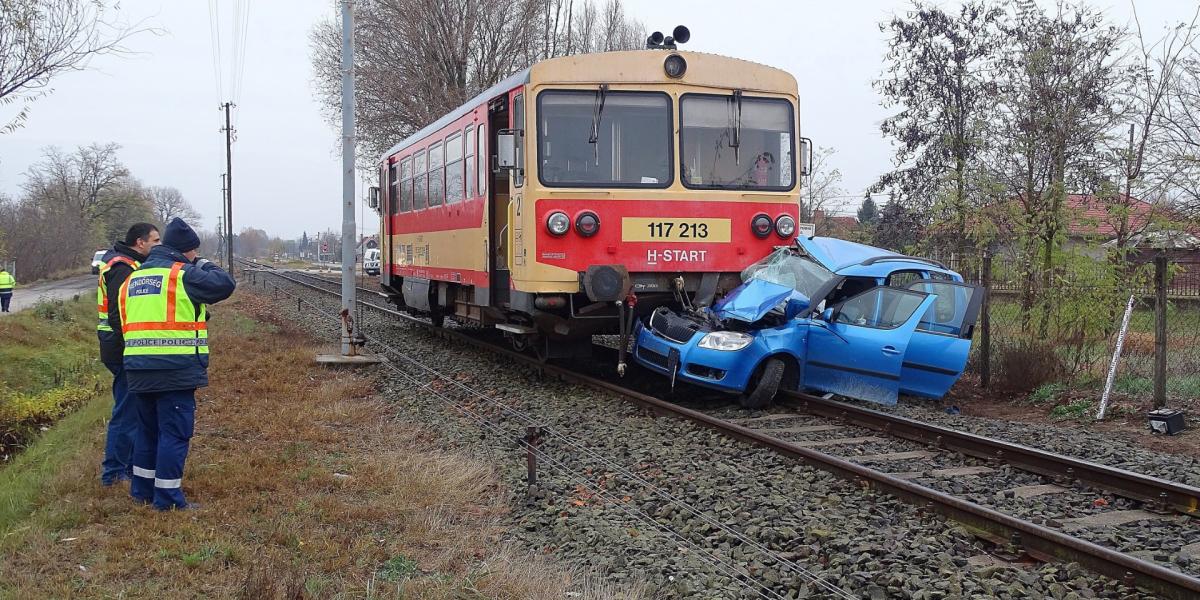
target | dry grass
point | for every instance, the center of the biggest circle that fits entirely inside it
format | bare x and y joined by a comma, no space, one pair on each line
309,490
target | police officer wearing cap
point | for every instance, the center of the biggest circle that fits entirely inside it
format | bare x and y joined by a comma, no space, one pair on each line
164,317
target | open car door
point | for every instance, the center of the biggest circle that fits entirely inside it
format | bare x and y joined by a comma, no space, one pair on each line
937,353
857,350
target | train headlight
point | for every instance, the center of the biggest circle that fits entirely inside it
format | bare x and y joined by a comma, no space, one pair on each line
785,226
558,223
675,66
725,341
587,224
761,225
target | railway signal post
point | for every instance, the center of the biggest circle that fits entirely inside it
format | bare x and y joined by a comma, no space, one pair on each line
351,341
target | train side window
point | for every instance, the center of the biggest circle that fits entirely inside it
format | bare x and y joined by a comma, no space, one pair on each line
393,187
484,160
405,185
437,175
469,168
419,183
454,169
519,124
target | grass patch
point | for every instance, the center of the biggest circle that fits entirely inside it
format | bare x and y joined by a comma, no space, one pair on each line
1046,392
1075,409
310,489
49,366
21,481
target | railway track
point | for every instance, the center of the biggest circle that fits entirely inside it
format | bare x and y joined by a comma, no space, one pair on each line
819,431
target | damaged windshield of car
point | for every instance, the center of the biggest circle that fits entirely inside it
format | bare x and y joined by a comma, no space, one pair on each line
602,138
786,267
736,142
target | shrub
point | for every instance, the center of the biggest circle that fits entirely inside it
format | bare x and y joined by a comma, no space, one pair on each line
1026,364
53,310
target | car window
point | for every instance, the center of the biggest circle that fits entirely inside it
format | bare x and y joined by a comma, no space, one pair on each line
948,310
902,279
880,308
784,267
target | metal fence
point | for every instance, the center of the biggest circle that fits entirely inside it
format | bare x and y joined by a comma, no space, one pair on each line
1067,334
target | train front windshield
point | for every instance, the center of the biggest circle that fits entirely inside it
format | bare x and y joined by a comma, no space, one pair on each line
736,142
589,138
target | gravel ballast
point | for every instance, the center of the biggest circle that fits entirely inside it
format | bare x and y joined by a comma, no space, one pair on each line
622,506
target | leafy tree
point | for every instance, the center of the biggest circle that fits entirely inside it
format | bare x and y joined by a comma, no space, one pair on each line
898,227
938,77
868,213
1057,78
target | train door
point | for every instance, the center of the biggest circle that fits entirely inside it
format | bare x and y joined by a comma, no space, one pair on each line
387,200
499,233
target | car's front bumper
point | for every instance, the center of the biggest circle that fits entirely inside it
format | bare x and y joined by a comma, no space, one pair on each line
728,371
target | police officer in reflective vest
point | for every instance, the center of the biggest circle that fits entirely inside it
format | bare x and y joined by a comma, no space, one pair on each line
119,262
7,283
163,311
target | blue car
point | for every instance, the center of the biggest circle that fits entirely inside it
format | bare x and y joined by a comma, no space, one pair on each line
823,314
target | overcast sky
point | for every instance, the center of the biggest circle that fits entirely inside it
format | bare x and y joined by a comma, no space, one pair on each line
161,105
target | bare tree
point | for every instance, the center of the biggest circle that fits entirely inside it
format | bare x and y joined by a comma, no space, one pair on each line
168,203
79,183
820,190
416,60
40,39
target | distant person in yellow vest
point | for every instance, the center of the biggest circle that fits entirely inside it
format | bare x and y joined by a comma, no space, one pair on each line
164,316
119,262
7,284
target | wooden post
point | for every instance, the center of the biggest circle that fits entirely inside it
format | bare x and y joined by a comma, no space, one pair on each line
985,322
1160,330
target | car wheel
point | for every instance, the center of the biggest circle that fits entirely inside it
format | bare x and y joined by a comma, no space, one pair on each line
766,386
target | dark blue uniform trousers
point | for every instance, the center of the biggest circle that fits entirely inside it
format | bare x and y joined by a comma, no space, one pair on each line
165,424
118,447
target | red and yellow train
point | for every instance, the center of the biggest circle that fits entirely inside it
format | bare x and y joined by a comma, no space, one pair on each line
588,189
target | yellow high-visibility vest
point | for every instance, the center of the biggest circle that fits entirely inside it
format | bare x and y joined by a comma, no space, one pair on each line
102,290
7,283
159,320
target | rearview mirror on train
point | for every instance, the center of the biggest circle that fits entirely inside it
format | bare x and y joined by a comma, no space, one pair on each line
506,148
373,198
806,150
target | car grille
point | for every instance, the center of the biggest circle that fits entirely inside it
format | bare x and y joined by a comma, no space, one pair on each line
673,327
653,357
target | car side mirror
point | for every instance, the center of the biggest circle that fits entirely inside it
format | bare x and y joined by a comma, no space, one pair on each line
795,307
506,149
829,315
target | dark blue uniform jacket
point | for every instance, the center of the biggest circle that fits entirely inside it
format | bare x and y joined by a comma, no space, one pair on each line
206,284
112,345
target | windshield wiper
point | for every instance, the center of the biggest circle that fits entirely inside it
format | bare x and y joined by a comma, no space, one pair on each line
737,127
597,111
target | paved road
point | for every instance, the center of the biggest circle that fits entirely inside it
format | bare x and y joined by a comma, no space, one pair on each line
62,289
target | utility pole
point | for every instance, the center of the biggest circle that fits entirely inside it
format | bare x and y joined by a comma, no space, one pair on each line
224,218
228,186
348,262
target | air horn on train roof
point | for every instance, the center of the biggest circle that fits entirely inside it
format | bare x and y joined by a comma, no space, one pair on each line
679,35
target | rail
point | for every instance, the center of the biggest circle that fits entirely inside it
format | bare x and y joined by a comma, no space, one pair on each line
1037,541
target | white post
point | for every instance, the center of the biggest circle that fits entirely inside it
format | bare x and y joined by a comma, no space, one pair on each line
348,228
1112,367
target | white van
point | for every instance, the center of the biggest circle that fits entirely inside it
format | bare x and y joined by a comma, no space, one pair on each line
371,261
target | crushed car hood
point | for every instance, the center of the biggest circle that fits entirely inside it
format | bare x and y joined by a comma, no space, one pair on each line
752,300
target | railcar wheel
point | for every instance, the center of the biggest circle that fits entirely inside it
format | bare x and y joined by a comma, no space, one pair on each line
438,318
768,383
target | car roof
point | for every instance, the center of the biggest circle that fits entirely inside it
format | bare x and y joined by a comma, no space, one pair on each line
853,259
